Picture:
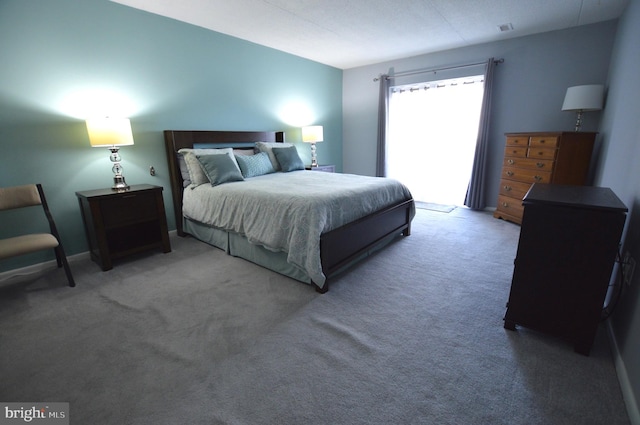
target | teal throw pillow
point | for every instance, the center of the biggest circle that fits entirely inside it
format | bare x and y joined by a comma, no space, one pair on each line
255,165
268,148
288,159
220,169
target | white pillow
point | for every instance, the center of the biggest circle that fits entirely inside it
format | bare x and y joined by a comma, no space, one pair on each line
244,152
196,173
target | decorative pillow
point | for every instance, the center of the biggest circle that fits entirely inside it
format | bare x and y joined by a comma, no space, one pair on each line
219,169
268,148
255,165
288,159
196,173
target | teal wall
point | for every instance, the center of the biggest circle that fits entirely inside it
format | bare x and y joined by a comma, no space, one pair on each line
65,60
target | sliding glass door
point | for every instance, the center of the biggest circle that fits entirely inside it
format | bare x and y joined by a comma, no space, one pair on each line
432,133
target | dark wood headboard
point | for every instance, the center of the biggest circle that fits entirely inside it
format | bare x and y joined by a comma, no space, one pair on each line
174,140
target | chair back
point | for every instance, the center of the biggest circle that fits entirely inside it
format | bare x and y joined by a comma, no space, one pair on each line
19,196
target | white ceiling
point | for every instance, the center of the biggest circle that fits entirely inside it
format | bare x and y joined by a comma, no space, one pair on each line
351,33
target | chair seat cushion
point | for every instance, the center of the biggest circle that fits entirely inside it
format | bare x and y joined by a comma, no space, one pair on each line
26,244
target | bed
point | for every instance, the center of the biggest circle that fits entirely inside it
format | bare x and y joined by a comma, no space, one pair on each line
325,231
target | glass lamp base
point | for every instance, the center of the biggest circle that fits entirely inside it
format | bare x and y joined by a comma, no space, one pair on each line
119,183
314,159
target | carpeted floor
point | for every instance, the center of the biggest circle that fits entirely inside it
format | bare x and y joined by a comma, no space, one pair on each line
413,335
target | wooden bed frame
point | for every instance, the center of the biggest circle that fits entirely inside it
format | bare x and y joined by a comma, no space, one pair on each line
339,247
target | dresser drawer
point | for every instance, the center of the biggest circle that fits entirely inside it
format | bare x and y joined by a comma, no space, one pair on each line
514,189
526,175
541,153
129,208
517,141
517,151
534,164
510,206
543,141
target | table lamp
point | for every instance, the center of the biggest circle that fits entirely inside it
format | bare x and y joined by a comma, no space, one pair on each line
111,133
312,134
583,98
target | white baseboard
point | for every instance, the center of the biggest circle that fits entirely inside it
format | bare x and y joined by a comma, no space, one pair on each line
40,267
625,385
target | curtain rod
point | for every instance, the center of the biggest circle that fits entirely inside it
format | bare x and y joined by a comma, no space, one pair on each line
434,70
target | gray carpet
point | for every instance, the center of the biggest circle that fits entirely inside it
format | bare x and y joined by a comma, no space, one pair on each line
413,335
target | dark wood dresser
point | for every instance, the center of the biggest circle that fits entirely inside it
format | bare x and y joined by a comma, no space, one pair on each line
567,249
541,157
121,223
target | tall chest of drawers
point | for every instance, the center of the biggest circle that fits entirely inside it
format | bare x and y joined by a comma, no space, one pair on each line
566,253
541,157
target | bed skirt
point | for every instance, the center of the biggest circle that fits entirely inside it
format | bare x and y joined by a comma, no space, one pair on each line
238,246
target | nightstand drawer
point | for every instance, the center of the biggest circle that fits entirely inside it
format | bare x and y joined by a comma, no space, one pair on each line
129,209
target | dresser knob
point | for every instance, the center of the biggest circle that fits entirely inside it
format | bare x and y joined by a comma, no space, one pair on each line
509,173
542,141
511,161
504,204
537,178
539,164
507,188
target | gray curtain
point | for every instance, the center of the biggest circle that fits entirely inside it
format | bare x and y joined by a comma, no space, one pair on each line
383,109
475,198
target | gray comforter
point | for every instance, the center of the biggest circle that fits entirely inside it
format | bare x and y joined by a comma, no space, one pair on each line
287,212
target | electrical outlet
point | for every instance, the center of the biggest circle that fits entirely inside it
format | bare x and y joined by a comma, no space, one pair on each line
628,267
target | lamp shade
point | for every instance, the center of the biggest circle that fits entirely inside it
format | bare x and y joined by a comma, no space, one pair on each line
109,131
584,98
312,134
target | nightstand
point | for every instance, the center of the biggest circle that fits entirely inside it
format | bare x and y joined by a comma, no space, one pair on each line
118,224
325,168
